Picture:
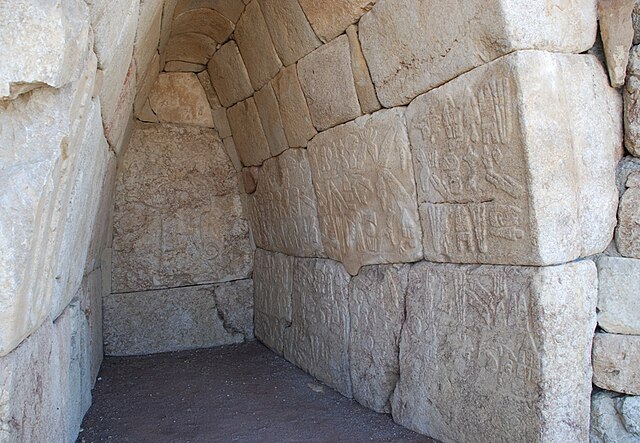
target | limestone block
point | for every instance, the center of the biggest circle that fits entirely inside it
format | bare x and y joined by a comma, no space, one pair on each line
144,86
148,34
293,108
635,21
616,363
267,105
626,167
628,231
221,122
254,42
212,97
178,97
191,48
232,153
616,30
283,209
364,86
631,97
483,352
619,295
115,128
203,21
168,12
330,18
327,80
165,320
113,22
607,422
273,284
290,31
630,410
178,66
178,216
41,43
229,75
231,9
235,305
363,177
318,338
503,176
376,306
248,135
90,298
413,46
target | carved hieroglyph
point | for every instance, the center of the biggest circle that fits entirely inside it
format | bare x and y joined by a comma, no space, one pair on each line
509,167
283,209
363,177
483,353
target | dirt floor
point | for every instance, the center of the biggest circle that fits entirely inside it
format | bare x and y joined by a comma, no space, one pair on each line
241,393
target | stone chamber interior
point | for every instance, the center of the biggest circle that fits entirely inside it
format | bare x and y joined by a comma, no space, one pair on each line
430,206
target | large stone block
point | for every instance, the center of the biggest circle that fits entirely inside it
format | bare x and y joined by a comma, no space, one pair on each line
204,21
494,353
609,423
413,46
364,86
616,29
229,75
616,362
330,18
178,97
628,230
192,48
147,34
248,134
504,176
376,306
115,129
631,96
269,111
178,216
293,108
234,301
318,339
283,209
619,295
363,177
113,22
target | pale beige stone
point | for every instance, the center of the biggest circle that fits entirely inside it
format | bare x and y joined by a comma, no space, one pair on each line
283,210
115,128
616,362
619,295
148,34
249,184
607,420
221,122
178,97
330,18
290,31
235,305
178,217
168,12
631,97
145,84
364,86
327,80
504,177
203,21
254,42
248,135
229,75
231,9
205,80
113,23
293,108
232,153
190,48
267,105
413,46
179,66
628,230
483,353
616,30
363,177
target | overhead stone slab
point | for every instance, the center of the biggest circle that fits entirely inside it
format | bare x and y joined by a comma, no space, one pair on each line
414,46
293,108
248,134
619,295
363,177
628,231
330,18
178,216
483,353
616,362
212,97
318,338
229,75
204,21
269,111
616,30
178,97
376,307
190,48
482,145
283,209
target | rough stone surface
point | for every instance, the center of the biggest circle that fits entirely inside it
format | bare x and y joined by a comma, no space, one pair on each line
329,18
178,97
616,30
144,86
232,153
327,80
412,47
376,307
221,122
235,305
631,97
115,129
483,353
283,209
147,34
212,97
267,105
607,423
178,216
190,48
630,410
318,339
364,86
619,295
616,363
179,66
363,177
504,177
229,75
293,108
113,22
204,21
248,135
628,231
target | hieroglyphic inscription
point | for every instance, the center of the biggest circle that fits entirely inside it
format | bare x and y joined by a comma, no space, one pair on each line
283,209
364,181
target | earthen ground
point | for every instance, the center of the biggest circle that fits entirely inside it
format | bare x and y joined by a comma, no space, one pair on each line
242,393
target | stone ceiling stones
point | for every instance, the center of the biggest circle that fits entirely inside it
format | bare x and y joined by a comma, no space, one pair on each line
229,75
248,135
178,97
330,18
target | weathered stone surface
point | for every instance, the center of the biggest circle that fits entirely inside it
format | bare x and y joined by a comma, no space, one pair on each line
178,97
413,46
267,105
235,305
290,31
293,108
191,48
165,320
248,135
628,231
283,210
178,217
630,410
619,295
203,21
616,362
221,122
376,306
232,153
363,177
318,338
607,423
616,30
329,18
212,97
179,66
112,23
327,80
273,284
144,86
631,97
148,34
254,42
168,12
364,86
229,75
483,353
482,144
116,127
